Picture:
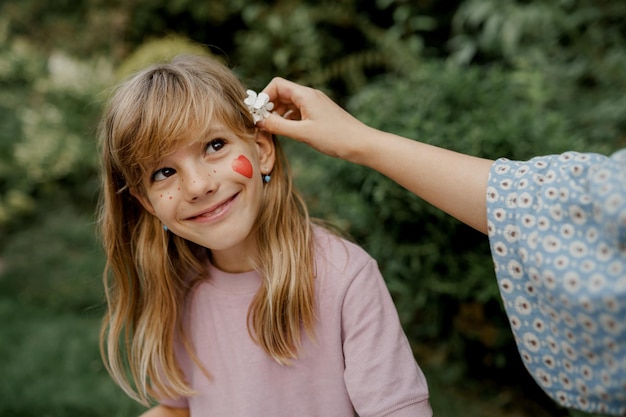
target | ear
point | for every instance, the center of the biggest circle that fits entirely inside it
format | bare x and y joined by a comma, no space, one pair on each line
266,149
143,200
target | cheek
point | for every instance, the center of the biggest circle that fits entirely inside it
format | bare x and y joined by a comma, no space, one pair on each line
166,196
164,201
242,165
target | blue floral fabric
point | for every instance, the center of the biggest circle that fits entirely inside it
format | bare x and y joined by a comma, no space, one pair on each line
557,231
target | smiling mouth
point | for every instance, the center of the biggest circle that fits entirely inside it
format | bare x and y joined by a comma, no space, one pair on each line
215,211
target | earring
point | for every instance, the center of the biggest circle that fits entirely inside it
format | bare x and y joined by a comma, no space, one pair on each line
266,178
165,228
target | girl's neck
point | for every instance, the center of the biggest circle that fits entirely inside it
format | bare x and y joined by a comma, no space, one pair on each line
232,261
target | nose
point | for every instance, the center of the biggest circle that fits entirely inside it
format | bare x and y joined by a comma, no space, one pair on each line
197,183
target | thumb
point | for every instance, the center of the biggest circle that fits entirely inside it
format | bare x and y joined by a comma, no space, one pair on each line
278,125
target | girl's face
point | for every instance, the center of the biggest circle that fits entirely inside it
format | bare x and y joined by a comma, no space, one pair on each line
210,192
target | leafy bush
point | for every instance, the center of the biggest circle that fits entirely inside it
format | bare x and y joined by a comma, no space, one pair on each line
48,139
439,270
51,365
577,46
56,263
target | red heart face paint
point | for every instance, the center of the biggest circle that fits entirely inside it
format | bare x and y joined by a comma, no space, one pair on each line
242,166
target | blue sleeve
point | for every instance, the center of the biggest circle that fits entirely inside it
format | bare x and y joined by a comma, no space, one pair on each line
557,231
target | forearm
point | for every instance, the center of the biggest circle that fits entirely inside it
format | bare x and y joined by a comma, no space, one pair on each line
451,181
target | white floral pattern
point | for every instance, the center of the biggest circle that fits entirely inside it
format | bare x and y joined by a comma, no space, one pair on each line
557,230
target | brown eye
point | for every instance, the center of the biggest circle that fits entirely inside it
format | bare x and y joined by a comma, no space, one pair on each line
162,174
214,146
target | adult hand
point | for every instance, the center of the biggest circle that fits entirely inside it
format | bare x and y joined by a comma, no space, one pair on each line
310,116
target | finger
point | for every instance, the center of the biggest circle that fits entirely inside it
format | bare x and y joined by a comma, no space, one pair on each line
285,92
283,109
279,90
278,125
293,114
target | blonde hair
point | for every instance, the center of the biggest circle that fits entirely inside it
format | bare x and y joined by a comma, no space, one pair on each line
149,272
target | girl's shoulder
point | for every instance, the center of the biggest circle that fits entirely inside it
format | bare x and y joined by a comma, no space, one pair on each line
337,254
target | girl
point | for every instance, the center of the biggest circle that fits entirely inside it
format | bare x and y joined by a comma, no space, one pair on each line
223,299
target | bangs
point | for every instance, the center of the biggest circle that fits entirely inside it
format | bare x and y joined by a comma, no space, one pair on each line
168,106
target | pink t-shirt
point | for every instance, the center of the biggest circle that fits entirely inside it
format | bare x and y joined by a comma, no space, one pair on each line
360,360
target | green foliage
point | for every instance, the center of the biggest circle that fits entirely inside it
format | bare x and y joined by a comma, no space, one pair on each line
577,45
483,111
55,263
51,365
156,50
48,115
439,270
328,42
324,43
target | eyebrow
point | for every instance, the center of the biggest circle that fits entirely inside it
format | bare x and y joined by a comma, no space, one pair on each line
217,130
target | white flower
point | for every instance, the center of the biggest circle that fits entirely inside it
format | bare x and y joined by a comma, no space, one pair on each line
259,105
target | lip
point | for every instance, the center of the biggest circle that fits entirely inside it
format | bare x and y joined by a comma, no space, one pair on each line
214,212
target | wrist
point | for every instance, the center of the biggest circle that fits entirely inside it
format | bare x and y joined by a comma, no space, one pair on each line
361,145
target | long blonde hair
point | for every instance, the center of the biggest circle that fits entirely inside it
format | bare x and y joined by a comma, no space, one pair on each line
149,272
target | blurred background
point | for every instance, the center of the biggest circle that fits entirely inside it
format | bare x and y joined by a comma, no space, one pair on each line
492,78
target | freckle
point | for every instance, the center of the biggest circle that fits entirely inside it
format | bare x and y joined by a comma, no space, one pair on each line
171,197
214,171
161,196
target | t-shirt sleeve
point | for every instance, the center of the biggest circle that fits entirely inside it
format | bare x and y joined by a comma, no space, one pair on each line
557,232
381,374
